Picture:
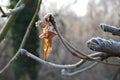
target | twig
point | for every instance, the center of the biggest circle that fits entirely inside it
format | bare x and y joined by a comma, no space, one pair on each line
25,52
24,38
63,67
13,11
63,71
112,29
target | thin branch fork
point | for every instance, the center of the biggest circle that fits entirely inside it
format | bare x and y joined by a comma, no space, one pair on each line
67,66
64,72
63,67
25,52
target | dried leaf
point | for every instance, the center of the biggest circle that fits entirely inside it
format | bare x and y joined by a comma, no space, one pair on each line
47,34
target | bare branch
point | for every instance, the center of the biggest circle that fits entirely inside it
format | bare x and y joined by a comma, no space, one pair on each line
97,57
63,67
25,52
24,38
110,47
63,71
112,29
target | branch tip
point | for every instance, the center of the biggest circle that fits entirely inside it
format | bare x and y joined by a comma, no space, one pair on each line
102,26
111,29
23,51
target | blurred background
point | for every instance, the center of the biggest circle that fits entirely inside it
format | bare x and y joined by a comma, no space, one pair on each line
77,20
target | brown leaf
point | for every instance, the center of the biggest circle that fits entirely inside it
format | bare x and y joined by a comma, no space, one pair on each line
47,35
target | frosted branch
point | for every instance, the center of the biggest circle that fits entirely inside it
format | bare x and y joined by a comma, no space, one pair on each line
102,45
63,71
25,52
112,29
